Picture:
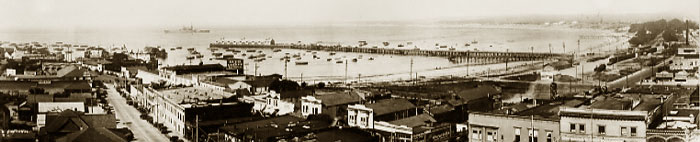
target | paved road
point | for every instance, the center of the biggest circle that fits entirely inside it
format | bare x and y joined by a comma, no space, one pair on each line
143,131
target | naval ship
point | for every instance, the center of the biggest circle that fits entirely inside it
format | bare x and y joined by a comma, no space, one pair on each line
189,29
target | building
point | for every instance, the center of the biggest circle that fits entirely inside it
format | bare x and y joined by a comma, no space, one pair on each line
271,104
478,98
191,74
169,105
272,129
56,107
611,117
540,123
333,104
69,126
676,125
48,87
365,115
686,59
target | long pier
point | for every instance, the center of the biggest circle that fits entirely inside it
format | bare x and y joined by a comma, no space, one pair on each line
452,55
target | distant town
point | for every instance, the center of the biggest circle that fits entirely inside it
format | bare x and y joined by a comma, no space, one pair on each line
644,88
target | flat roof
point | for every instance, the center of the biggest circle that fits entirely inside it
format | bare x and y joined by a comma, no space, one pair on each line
550,110
636,102
192,94
414,121
386,106
277,126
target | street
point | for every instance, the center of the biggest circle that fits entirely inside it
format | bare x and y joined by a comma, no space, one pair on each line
143,131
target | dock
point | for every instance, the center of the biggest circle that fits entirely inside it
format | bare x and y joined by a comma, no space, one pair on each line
452,55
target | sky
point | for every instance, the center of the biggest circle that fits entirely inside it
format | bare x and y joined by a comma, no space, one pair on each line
175,13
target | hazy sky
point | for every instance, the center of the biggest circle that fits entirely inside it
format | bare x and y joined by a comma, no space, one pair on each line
173,13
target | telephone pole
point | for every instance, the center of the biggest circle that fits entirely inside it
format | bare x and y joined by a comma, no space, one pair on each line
410,71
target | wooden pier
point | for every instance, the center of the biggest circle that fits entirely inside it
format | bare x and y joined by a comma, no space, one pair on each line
452,55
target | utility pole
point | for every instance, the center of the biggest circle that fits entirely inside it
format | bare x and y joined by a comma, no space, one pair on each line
563,45
346,71
410,70
532,51
196,125
507,61
467,62
285,68
256,69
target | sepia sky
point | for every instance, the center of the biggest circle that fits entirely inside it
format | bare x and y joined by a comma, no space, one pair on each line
154,13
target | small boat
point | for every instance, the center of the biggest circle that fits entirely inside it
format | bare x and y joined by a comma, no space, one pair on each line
400,45
250,50
80,49
354,60
475,42
217,54
332,53
190,49
172,49
338,61
259,59
190,57
260,51
277,50
243,54
179,47
227,56
452,48
370,58
302,63
69,51
296,55
251,57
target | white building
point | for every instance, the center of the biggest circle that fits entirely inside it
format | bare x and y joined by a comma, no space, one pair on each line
170,104
46,107
270,104
686,59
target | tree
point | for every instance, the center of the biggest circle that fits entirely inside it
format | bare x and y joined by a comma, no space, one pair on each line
284,85
321,85
599,68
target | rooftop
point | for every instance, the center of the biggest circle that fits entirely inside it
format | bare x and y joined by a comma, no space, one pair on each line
338,98
550,110
275,127
414,121
387,106
193,94
188,69
26,85
636,102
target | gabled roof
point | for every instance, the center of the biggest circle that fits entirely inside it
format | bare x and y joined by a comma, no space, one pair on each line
68,119
92,134
387,106
71,71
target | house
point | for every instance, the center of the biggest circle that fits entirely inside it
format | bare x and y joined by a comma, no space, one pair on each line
271,104
478,98
364,115
53,107
70,125
331,104
260,84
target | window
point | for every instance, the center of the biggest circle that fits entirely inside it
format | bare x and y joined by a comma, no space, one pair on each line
517,134
572,126
582,128
532,135
633,131
601,129
623,131
489,136
549,136
476,134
